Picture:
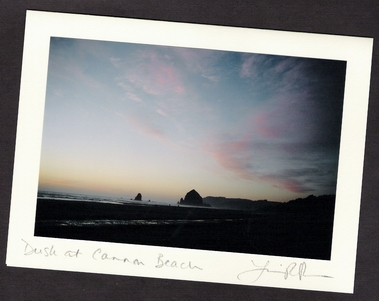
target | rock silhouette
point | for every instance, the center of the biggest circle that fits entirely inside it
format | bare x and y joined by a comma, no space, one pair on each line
192,198
138,197
236,203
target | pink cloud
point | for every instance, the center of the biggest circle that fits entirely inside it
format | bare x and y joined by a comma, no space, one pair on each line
161,112
263,124
290,116
238,156
148,129
156,76
233,156
180,89
291,185
144,127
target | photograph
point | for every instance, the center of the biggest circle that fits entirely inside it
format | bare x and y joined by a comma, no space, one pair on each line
189,152
190,148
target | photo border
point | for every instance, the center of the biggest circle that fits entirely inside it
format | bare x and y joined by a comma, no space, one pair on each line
220,267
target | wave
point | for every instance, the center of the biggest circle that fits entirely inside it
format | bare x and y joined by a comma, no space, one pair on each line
60,196
100,223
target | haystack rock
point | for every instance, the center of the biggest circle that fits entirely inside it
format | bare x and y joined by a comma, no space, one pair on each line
138,197
192,198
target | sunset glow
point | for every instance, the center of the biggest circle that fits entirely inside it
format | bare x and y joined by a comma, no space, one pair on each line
126,118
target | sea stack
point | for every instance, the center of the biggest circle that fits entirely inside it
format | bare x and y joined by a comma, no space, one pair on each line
192,198
138,197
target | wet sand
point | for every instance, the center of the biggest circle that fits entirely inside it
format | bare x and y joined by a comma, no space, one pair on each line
295,233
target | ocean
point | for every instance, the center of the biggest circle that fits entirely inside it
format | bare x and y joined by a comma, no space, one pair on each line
287,231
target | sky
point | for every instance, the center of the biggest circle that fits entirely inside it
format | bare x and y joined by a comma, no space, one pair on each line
123,118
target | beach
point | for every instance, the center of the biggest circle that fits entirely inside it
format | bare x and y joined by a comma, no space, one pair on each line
292,233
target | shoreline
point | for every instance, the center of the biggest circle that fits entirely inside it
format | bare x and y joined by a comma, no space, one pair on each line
292,234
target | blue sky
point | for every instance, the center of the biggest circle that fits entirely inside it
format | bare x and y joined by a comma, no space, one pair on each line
124,118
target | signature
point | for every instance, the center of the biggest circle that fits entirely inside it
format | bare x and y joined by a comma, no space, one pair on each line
298,270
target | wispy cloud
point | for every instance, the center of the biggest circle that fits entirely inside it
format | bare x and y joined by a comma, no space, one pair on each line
133,97
144,127
273,74
202,62
155,75
265,119
276,151
116,62
249,65
161,112
291,116
232,155
241,162
70,72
